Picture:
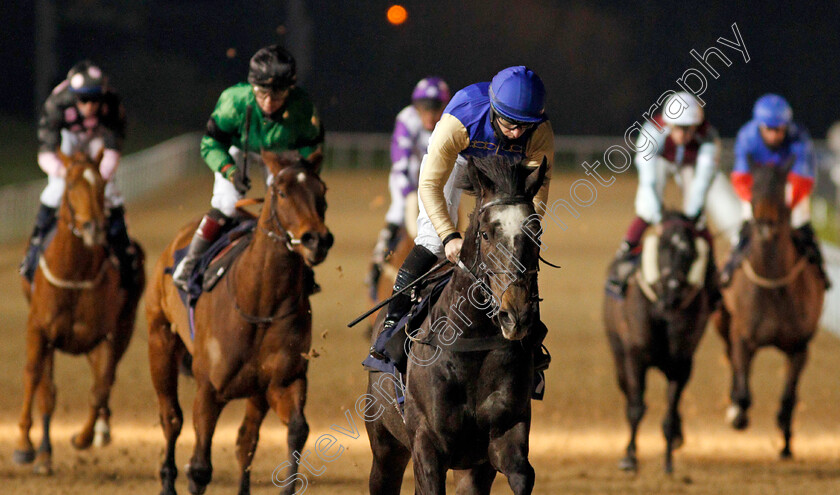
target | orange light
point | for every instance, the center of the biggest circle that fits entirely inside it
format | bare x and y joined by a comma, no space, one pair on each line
397,14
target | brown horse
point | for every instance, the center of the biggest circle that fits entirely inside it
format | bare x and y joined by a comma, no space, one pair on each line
252,331
76,306
659,324
775,299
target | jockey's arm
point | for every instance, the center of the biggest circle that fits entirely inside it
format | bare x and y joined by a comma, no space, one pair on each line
114,122
541,145
740,176
223,124
801,176
704,174
648,203
311,142
400,183
49,138
448,139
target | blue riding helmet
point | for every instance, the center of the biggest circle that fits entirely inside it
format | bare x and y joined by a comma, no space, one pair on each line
518,94
772,110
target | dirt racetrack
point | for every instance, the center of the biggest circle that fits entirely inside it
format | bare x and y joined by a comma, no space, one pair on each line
579,431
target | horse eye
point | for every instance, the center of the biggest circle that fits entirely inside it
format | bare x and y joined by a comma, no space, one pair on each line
485,236
281,193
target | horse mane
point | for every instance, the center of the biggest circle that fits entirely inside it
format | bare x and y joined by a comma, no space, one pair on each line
503,175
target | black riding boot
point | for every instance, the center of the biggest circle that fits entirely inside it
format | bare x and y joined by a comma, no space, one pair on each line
117,236
622,267
385,245
208,231
419,261
44,222
736,257
806,243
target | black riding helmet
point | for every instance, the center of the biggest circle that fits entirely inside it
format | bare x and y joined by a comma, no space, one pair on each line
86,79
272,67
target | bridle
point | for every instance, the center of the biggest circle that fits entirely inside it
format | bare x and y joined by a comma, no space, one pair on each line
279,233
522,276
71,223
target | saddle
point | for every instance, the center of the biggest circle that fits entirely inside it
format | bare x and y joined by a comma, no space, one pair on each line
214,263
395,355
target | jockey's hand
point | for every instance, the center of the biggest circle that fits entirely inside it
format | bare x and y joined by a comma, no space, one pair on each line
453,249
240,181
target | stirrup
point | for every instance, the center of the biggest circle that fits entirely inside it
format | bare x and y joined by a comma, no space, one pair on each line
182,272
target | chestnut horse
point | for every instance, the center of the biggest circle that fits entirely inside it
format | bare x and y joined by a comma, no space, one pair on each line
252,331
468,385
659,324
775,299
78,307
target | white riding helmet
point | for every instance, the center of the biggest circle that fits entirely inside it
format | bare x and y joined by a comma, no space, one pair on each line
682,109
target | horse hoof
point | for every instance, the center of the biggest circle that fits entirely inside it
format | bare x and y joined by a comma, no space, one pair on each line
677,442
23,456
669,469
786,454
78,443
43,469
102,433
628,464
737,417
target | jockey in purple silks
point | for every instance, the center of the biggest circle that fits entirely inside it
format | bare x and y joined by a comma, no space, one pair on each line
413,127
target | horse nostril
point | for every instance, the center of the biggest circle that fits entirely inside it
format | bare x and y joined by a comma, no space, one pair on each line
505,318
309,239
328,240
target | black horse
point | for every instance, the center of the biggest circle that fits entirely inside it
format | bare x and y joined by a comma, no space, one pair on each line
470,376
660,322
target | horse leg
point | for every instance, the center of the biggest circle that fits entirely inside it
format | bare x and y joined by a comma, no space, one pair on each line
390,457
508,454
246,441
288,402
165,351
46,403
740,357
206,410
429,468
475,481
672,425
32,373
96,429
634,389
796,362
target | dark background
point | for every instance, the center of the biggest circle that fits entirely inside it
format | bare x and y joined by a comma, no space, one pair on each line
603,63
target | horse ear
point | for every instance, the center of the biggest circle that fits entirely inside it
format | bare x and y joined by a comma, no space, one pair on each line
481,179
275,162
789,163
98,158
534,181
64,158
314,161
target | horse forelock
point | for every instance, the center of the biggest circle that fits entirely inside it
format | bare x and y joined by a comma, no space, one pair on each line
769,184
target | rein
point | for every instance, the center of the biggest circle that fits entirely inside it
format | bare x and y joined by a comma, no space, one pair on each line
652,296
252,319
72,284
281,236
774,283
486,343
